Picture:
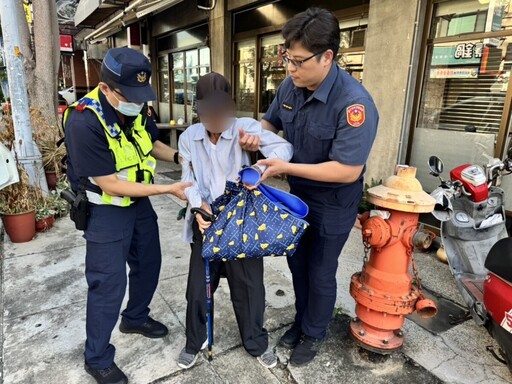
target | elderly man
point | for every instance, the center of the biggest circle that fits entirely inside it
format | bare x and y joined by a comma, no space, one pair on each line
211,156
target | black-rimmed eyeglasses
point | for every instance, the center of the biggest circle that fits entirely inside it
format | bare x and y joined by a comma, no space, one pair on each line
297,63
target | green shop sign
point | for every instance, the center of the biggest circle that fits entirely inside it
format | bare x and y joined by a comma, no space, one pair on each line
460,54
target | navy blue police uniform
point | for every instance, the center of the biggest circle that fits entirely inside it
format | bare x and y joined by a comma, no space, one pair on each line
115,235
336,122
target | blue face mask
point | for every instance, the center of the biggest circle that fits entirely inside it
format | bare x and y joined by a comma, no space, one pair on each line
126,108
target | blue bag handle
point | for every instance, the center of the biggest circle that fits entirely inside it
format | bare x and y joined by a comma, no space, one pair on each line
284,200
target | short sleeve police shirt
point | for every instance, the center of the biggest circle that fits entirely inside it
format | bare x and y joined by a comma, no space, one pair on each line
88,152
337,122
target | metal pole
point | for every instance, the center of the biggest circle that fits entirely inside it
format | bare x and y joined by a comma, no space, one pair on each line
26,149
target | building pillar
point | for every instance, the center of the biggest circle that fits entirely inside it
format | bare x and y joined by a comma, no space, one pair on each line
220,39
391,56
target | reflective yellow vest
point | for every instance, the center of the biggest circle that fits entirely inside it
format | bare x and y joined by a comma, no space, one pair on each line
132,157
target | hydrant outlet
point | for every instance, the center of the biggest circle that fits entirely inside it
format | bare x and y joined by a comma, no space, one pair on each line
376,232
426,308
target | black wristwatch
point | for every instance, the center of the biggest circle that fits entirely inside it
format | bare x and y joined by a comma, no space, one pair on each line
177,158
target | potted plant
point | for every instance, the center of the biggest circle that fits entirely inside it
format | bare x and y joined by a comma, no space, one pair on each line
44,214
18,210
47,137
60,205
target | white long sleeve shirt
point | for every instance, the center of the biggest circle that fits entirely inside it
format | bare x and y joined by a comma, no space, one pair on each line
209,166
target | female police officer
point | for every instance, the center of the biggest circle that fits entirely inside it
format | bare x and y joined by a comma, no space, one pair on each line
111,158
331,121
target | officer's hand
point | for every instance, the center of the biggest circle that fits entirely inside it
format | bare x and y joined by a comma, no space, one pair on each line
178,190
248,142
275,167
203,224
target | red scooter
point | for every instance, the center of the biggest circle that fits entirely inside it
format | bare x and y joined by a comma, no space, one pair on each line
479,252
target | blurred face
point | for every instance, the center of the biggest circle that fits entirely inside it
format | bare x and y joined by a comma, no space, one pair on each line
216,122
306,71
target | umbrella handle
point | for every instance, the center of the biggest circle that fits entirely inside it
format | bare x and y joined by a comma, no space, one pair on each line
207,216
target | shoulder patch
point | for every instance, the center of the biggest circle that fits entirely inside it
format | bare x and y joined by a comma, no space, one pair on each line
355,115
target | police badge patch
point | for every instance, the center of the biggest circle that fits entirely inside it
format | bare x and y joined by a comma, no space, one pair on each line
141,77
355,115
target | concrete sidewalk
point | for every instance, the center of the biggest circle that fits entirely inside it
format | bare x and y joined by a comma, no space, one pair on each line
43,330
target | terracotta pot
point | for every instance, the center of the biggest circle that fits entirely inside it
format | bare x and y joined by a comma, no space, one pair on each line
45,224
51,179
20,227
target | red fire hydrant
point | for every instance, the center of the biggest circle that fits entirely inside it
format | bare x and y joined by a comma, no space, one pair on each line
383,290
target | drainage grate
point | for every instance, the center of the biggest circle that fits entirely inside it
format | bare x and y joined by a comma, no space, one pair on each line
448,316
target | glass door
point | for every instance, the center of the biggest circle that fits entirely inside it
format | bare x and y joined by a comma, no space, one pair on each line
178,77
187,67
272,70
163,89
245,78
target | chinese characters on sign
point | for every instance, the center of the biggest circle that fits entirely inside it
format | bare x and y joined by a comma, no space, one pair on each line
454,73
469,51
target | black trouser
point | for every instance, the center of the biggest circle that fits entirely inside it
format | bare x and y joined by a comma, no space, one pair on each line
245,278
117,236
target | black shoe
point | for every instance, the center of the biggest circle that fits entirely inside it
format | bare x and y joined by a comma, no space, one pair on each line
151,328
291,337
305,351
110,375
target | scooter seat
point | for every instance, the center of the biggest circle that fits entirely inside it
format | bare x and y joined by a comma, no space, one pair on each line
499,259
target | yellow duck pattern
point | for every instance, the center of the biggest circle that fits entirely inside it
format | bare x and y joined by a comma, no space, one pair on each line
250,225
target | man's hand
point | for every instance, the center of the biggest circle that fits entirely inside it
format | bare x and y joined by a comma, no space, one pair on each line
178,190
250,143
275,167
203,224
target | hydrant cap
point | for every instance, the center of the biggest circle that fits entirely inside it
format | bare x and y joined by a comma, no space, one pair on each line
402,192
404,179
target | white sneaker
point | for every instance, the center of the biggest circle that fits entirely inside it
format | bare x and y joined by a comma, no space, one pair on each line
268,359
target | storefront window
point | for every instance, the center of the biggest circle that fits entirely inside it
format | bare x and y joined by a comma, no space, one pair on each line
245,78
272,71
258,68
461,107
352,41
163,79
187,67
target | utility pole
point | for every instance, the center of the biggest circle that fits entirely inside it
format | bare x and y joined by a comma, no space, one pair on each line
26,149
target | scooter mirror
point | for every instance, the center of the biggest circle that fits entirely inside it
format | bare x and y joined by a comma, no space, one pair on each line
435,165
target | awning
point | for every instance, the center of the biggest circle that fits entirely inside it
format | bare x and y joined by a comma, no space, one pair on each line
90,13
109,16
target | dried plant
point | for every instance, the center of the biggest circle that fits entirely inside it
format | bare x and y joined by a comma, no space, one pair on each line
7,135
46,136
18,197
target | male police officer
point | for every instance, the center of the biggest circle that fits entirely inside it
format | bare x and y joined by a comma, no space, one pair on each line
331,121
111,159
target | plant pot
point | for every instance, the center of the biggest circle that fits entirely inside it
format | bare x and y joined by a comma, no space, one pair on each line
45,224
21,227
51,179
